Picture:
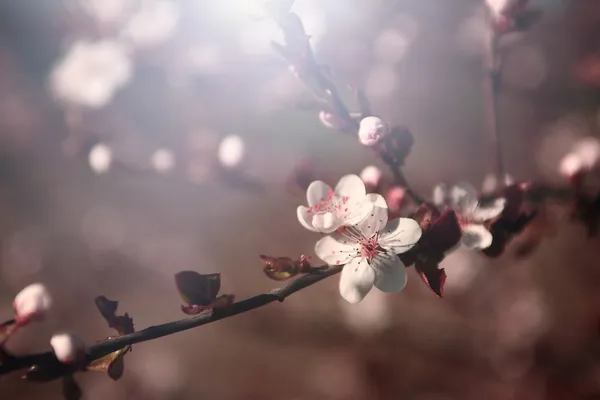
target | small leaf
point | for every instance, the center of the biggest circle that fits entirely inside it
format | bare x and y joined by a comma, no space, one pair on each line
222,302
283,268
444,233
198,289
122,323
112,364
433,276
70,388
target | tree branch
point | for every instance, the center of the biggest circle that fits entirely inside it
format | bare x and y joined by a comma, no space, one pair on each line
108,346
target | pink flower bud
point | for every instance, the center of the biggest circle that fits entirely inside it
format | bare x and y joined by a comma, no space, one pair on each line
371,130
68,348
371,176
32,302
395,197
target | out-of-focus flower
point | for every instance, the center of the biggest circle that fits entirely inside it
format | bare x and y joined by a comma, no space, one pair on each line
395,198
106,11
582,158
471,213
371,175
372,130
154,23
100,158
502,7
231,151
68,348
32,302
369,249
490,183
329,209
163,160
331,121
91,73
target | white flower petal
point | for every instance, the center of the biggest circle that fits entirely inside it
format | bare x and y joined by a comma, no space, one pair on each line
32,302
464,198
356,280
489,211
357,212
390,273
400,235
475,236
440,194
351,186
67,348
336,249
317,192
376,220
305,218
325,222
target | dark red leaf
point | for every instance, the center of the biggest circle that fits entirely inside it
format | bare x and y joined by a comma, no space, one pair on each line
222,302
283,268
108,308
113,364
444,232
433,276
198,289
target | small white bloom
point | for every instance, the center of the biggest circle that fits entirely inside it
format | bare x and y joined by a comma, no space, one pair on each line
499,7
369,251
371,130
154,23
329,209
471,213
31,302
231,151
583,157
100,158
91,72
67,348
163,160
371,175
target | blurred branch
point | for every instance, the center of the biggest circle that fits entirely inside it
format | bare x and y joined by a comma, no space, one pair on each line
108,346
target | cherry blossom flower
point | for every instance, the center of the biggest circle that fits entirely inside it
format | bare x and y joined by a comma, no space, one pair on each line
371,175
582,158
32,302
369,251
67,348
91,73
372,130
471,213
329,209
154,23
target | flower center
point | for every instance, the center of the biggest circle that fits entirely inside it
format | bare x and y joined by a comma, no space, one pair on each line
338,206
369,248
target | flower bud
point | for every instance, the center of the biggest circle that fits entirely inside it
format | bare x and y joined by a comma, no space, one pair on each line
331,120
31,302
371,176
371,130
68,348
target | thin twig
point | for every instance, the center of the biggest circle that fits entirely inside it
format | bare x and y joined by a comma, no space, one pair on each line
108,346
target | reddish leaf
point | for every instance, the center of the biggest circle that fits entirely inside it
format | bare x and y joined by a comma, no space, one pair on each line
70,388
198,289
112,364
444,232
222,302
283,268
122,323
433,276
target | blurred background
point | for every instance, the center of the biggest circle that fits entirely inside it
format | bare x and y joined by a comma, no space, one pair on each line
139,138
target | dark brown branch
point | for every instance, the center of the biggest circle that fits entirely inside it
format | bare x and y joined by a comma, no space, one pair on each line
153,332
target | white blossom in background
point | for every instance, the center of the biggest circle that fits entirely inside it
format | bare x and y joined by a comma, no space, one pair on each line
583,157
369,251
231,151
471,214
163,160
371,175
153,23
330,120
67,348
499,7
372,130
100,158
328,209
106,11
490,183
32,302
391,46
91,72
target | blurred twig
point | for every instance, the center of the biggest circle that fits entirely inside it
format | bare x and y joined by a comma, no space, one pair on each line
108,346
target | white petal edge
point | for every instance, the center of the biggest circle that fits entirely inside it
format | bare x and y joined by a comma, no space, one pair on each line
351,186
377,219
356,280
390,273
305,218
316,192
336,249
326,222
400,235
489,211
440,194
358,211
475,236
464,198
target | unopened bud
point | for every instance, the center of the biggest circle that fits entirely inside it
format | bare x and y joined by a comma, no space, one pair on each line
68,348
395,197
371,176
371,130
32,302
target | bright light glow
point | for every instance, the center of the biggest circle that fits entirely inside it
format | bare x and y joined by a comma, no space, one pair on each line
163,160
100,158
106,11
231,151
154,23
